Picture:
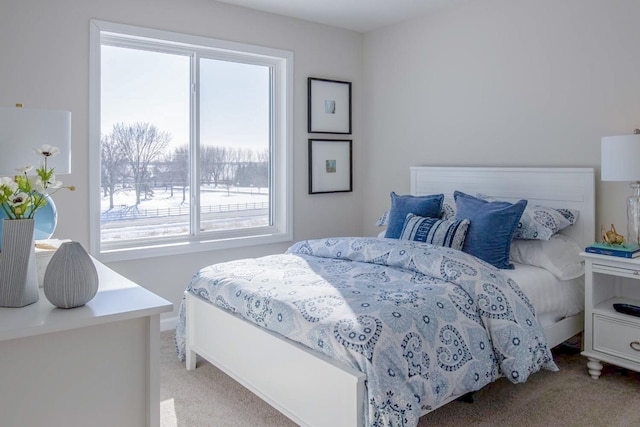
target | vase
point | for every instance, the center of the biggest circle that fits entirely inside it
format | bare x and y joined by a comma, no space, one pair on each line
71,278
18,272
46,219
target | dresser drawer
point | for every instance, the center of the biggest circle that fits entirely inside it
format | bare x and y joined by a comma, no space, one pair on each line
617,338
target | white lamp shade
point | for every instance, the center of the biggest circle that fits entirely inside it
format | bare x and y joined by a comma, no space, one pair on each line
24,129
620,158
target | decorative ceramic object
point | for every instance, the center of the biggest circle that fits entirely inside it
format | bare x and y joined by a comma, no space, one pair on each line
71,279
611,237
18,272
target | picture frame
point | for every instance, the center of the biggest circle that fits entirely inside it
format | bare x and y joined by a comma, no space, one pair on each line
330,166
329,106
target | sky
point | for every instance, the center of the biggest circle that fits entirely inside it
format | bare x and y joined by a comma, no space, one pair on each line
145,86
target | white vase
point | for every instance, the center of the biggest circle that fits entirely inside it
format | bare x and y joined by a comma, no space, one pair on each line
18,271
71,278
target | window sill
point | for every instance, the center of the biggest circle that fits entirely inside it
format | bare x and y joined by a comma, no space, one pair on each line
185,247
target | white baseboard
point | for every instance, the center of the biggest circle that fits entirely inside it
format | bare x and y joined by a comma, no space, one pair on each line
168,323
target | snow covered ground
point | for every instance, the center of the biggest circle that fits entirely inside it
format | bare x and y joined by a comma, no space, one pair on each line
164,215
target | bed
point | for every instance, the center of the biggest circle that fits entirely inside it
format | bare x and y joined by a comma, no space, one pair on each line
314,389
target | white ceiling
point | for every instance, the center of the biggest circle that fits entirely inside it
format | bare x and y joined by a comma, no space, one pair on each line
356,15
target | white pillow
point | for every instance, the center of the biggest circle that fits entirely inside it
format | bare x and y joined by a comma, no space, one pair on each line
559,255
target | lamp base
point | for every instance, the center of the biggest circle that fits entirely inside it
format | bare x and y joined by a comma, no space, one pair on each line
633,215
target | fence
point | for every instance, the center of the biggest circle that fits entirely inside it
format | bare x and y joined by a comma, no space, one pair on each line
132,212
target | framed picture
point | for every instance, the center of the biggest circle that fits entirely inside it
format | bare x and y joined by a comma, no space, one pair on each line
329,166
329,106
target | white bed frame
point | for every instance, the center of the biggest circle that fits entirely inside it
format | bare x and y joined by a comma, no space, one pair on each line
313,390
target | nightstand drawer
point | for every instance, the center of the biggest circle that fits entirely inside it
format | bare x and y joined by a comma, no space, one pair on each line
617,338
631,272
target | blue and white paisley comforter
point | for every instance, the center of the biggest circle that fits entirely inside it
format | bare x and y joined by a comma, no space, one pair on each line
422,322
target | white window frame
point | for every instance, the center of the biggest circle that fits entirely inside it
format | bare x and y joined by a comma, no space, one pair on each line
281,169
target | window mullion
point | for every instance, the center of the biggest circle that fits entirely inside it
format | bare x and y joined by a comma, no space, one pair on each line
194,146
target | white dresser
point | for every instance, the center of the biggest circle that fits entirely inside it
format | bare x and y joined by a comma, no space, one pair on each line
96,365
610,336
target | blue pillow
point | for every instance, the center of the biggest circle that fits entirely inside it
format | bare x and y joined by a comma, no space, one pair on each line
448,212
440,232
491,229
417,205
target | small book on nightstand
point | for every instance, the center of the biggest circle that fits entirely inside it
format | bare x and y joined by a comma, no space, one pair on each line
624,251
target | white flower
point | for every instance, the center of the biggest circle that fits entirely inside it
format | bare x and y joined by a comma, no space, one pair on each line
38,185
53,183
22,195
47,151
18,199
23,170
8,183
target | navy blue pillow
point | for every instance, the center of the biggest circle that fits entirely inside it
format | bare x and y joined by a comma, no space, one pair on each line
491,229
417,205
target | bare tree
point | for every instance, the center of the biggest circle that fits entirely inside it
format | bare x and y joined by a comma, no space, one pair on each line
112,167
179,169
141,144
262,175
252,168
231,162
212,164
262,156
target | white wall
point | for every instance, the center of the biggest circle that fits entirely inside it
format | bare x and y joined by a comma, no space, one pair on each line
44,46
489,83
501,83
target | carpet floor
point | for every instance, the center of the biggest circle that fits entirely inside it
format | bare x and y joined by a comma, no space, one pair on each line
206,397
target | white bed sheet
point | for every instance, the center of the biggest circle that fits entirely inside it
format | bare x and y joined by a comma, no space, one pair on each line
553,299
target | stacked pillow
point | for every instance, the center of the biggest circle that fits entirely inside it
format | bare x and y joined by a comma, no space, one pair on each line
448,211
541,222
439,232
418,205
558,255
480,226
491,228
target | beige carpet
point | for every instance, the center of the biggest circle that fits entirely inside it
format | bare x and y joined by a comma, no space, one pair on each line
207,397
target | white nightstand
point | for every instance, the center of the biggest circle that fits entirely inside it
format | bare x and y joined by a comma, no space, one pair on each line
95,365
610,336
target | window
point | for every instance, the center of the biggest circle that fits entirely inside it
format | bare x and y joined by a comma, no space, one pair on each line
190,143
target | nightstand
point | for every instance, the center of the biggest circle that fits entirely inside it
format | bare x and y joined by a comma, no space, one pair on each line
95,365
610,336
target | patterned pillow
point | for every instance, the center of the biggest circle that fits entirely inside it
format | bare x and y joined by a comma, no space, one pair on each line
417,205
448,209
491,229
541,222
449,233
383,220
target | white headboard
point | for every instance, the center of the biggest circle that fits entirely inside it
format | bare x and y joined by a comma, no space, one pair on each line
554,187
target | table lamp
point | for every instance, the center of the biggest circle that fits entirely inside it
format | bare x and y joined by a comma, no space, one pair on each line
620,161
21,131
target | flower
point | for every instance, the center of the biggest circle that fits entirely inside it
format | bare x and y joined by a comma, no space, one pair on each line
23,195
47,151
